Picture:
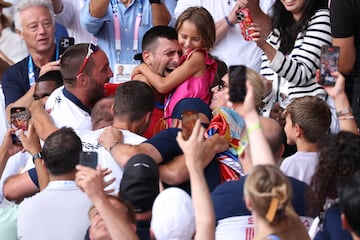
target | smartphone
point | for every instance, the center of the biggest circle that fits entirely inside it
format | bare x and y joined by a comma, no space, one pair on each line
19,118
65,43
245,21
189,118
237,83
329,62
89,159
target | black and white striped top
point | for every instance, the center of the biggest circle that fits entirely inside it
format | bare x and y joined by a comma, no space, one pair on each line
293,75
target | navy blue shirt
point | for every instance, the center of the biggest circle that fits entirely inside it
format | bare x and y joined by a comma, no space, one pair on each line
15,80
165,142
228,198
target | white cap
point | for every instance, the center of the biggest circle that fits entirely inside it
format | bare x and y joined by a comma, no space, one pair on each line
173,215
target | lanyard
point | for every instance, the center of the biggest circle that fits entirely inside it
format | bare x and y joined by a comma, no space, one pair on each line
117,27
31,72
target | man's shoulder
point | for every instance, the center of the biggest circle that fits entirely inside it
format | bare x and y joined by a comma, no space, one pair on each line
132,138
230,186
20,67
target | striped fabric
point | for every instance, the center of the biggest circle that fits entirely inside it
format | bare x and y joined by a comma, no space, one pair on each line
296,71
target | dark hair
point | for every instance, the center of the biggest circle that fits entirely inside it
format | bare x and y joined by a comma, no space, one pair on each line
133,99
338,159
71,61
61,151
203,21
54,76
150,38
284,21
349,194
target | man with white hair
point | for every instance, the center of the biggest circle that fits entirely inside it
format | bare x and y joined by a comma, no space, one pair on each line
34,22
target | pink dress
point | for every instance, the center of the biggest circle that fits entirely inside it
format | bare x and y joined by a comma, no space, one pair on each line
194,87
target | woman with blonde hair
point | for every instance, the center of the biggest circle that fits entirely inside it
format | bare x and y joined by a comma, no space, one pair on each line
268,195
256,81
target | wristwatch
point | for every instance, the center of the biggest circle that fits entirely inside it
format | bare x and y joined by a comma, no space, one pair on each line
36,156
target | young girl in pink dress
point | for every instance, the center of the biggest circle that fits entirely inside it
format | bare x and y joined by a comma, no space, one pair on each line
193,78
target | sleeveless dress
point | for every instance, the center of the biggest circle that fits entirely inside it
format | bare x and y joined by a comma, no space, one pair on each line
194,87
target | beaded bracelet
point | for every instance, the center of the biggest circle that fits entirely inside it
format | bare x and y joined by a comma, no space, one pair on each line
228,22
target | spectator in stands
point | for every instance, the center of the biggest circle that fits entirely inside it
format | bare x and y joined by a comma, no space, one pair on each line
292,51
307,121
119,26
54,207
67,12
140,187
34,21
349,203
345,34
230,45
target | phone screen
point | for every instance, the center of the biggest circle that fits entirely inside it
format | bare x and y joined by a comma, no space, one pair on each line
189,118
65,43
329,61
237,83
19,117
89,159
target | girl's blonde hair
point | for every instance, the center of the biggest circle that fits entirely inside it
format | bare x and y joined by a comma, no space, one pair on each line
256,82
269,191
203,21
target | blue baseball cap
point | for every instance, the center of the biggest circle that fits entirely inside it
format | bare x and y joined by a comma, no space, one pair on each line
192,104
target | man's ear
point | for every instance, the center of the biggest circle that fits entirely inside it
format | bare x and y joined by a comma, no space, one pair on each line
112,110
148,117
19,33
82,80
147,57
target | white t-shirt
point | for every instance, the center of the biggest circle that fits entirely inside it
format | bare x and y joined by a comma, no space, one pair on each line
105,160
60,211
232,48
300,165
70,18
68,112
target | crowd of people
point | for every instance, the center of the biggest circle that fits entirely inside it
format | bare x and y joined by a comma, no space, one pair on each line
108,156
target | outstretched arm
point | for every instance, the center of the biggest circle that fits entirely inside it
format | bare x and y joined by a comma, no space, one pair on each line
195,65
98,8
7,149
193,150
92,183
343,108
259,148
160,14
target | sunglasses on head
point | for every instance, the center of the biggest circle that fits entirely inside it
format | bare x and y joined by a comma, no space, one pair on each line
91,49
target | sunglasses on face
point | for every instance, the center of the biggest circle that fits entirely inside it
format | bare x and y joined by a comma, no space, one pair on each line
221,85
91,49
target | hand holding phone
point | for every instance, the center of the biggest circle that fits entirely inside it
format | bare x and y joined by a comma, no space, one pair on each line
65,43
329,61
189,118
237,83
19,117
245,21
89,159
